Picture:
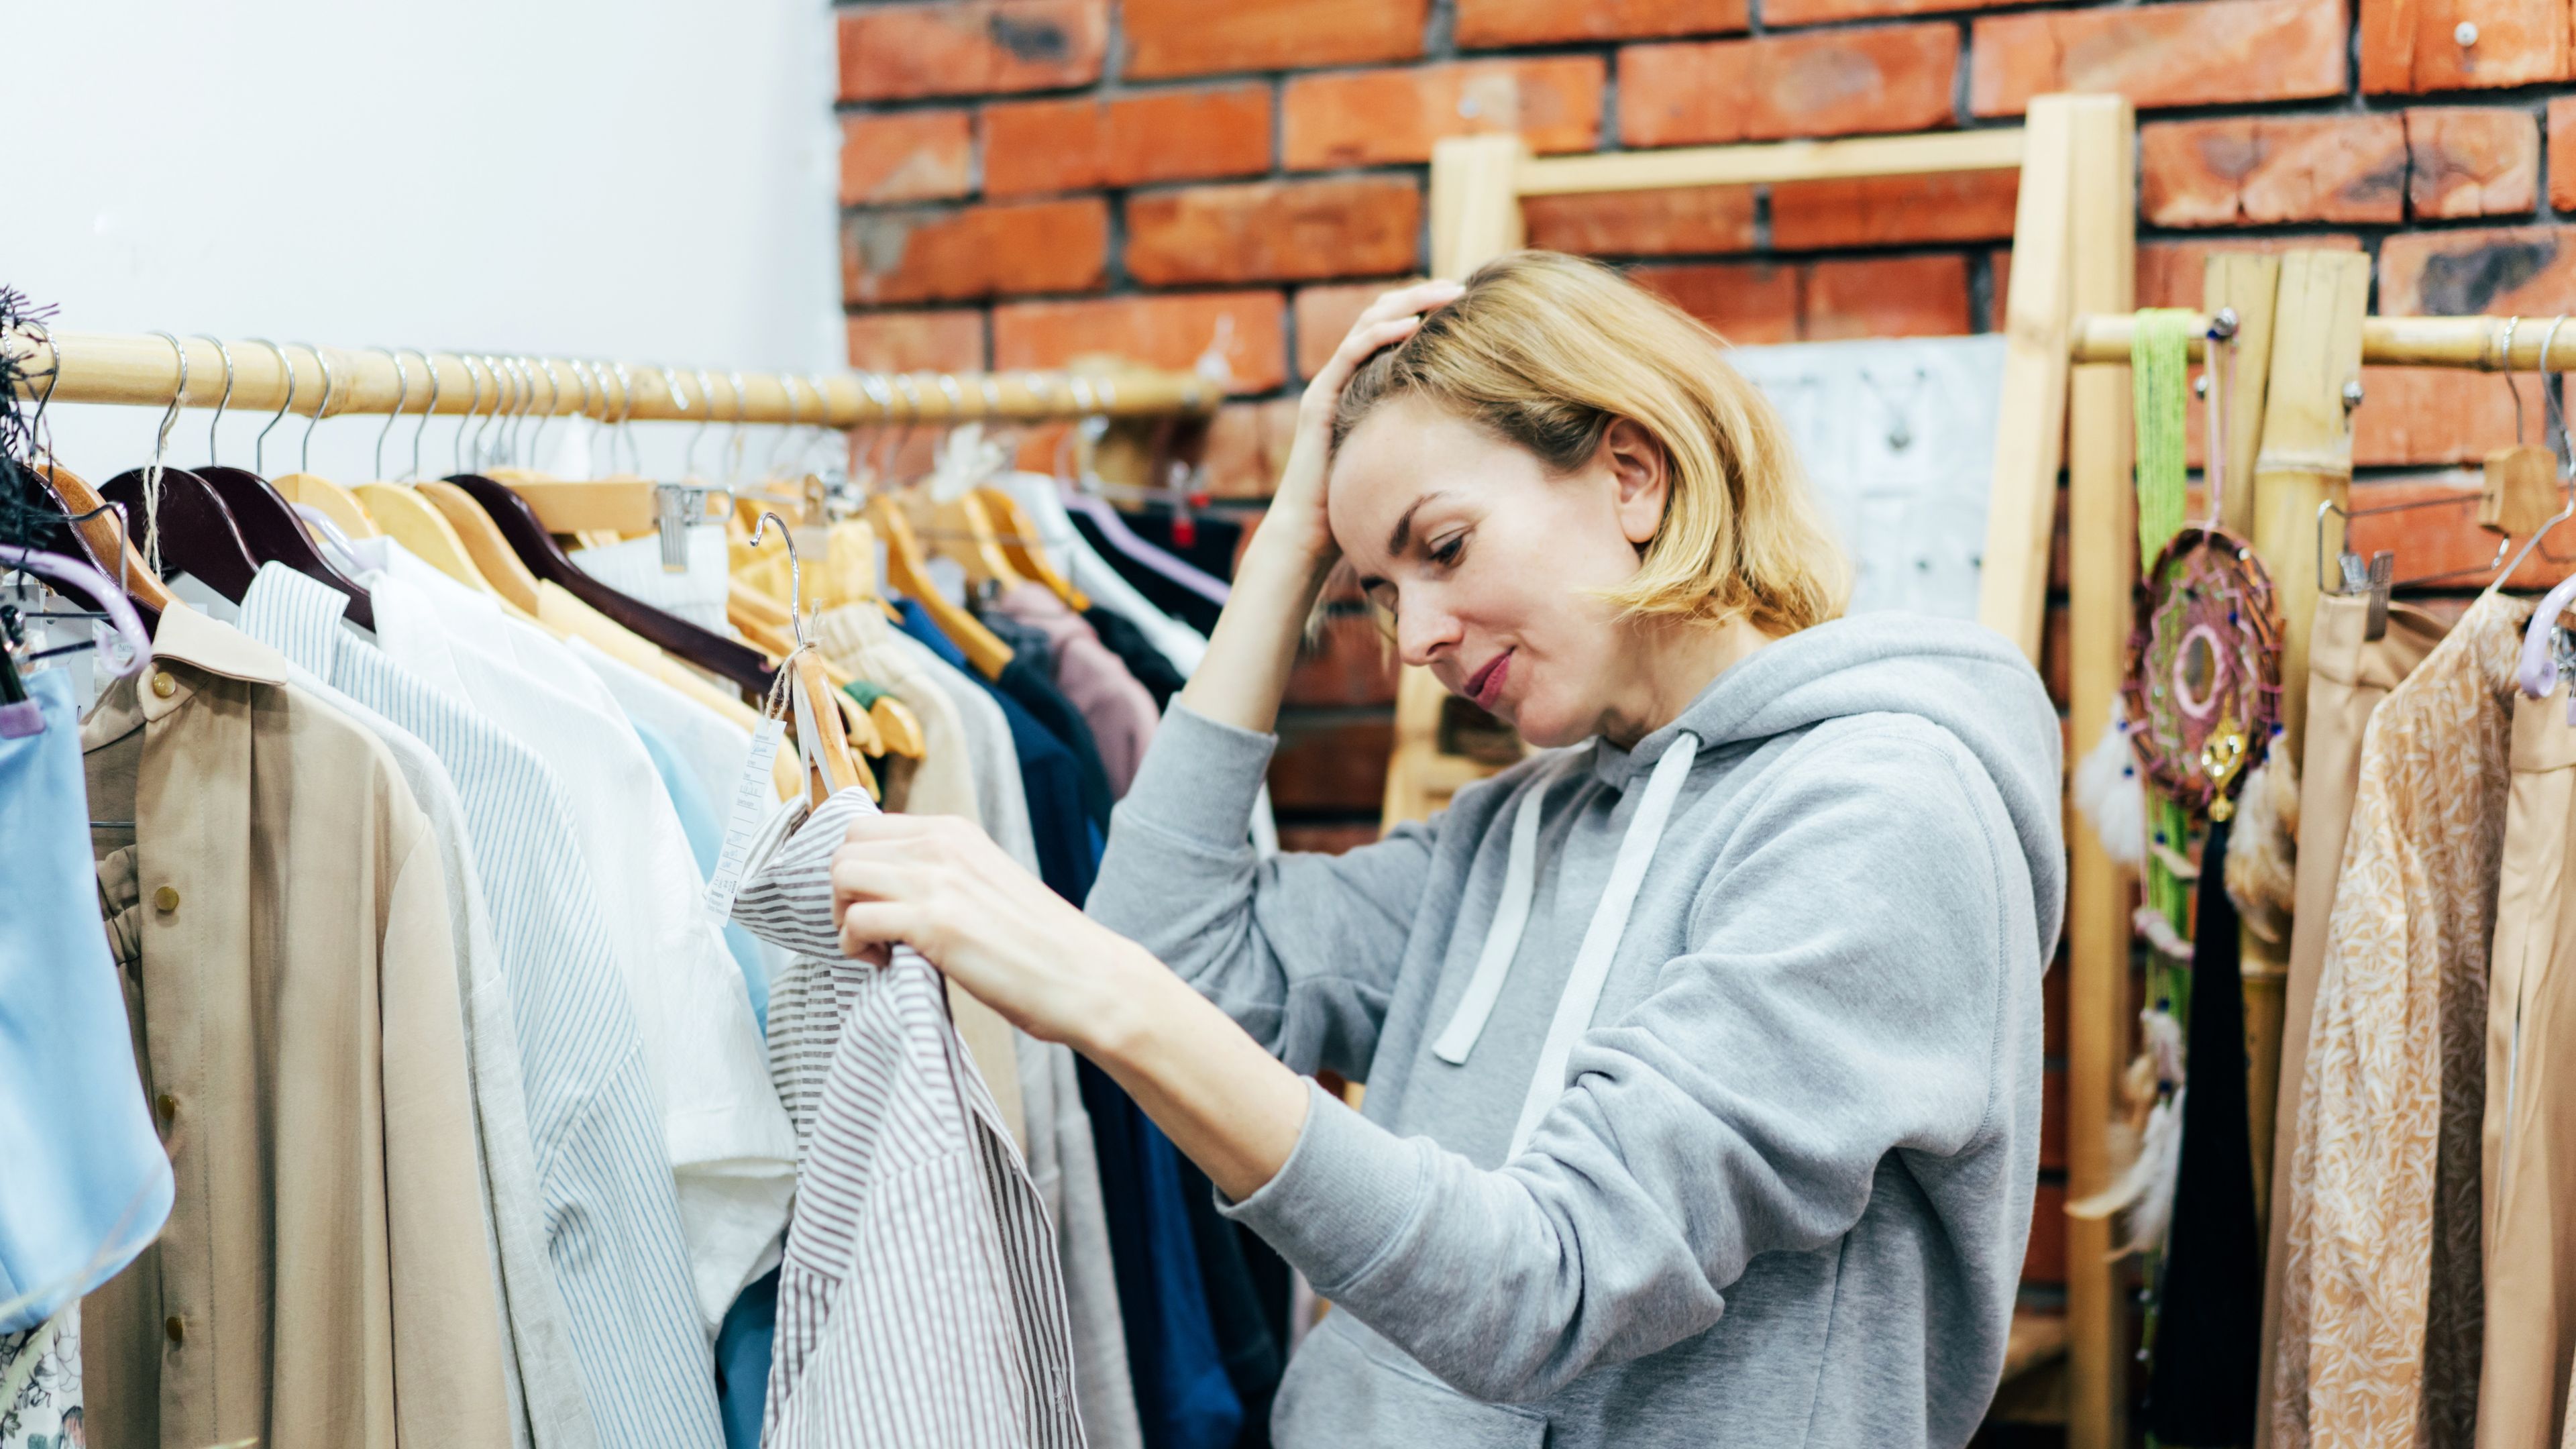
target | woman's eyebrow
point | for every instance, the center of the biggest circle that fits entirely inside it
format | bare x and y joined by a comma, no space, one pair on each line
1402,533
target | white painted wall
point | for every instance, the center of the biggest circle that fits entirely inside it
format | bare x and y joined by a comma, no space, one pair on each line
640,179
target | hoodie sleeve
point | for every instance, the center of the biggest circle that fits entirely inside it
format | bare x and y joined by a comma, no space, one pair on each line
1842,999
1301,950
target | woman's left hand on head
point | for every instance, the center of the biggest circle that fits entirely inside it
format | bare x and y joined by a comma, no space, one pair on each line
942,887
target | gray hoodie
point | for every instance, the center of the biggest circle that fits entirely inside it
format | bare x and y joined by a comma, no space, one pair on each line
1778,1172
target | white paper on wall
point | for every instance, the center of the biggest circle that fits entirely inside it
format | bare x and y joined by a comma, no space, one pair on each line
1898,439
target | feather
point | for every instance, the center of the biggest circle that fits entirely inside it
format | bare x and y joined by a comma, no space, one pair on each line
2150,1158
2160,934
2263,850
2108,791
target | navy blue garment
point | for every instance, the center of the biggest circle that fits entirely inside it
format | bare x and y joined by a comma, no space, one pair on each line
1210,550
1068,850
1152,668
1253,1355
1184,1398
1030,679
742,1360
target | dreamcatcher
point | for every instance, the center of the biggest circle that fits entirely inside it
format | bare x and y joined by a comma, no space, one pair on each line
2202,691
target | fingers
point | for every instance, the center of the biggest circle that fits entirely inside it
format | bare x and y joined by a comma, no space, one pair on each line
871,929
1363,340
1409,301
856,875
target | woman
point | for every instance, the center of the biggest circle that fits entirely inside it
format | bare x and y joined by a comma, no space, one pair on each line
1702,1048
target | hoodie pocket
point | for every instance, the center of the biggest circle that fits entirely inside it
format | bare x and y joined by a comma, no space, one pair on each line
1347,1386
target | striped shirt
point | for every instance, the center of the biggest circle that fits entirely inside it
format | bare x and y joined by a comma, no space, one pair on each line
920,1302
611,1217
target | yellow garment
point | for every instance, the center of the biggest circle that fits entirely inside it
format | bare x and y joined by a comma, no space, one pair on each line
2381,1303
324,1278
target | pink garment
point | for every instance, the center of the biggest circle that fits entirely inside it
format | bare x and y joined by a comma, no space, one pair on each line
1119,710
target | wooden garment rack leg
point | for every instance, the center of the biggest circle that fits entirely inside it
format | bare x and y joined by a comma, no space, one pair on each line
2073,249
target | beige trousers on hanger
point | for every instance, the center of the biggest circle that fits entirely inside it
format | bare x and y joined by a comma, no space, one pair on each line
2348,675
2529,1157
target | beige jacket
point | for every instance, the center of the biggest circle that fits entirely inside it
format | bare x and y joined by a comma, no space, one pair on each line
281,912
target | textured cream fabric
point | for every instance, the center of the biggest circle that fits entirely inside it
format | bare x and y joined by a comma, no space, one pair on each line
2381,1303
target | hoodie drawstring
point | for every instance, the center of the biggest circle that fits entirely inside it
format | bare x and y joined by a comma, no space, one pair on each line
1582,994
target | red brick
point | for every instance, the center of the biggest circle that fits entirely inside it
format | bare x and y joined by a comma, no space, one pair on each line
1816,12
1247,447
2044,1261
1551,22
1643,223
2170,272
1072,145
2411,45
2249,170
2500,270
1334,763
906,156
2417,415
1326,839
1170,330
1350,662
941,341
1325,315
1829,83
1999,267
1894,210
1274,230
1885,297
2206,52
2562,153
970,47
1197,37
1749,303
2471,161
934,254
1381,117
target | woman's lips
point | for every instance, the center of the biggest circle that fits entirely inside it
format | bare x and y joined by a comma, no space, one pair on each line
1485,686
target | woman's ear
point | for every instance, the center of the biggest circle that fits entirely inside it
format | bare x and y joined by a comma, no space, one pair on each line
1640,478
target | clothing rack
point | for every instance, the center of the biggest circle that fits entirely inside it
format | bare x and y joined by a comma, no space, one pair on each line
145,369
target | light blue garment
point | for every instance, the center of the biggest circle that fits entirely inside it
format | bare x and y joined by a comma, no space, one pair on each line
88,1183
705,829
612,1215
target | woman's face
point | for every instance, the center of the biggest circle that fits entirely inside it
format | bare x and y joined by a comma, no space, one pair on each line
1485,561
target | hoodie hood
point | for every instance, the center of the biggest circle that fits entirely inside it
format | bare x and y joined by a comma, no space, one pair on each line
1963,677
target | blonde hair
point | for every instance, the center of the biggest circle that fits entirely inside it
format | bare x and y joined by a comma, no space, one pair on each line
1547,350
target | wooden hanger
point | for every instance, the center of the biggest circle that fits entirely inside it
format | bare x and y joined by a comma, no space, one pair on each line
906,570
765,622
104,539
527,536
341,505
482,542
197,533
1019,535
899,727
408,519
274,534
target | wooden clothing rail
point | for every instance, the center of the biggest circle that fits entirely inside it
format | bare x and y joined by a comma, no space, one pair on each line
2074,252
142,368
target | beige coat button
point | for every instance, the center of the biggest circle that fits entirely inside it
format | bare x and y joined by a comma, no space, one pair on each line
176,1327
169,1104
165,684
166,899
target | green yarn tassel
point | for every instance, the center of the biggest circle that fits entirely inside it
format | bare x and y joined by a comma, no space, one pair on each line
2159,383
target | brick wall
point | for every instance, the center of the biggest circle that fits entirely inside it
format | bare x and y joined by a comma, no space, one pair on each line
1027,181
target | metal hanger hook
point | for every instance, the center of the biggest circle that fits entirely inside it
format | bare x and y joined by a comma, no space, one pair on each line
554,397
429,364
259,445
473,405
795,575
402,394
2515,388
222,402
706,396
304,452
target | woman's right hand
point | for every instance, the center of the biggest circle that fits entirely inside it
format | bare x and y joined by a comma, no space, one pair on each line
1299,502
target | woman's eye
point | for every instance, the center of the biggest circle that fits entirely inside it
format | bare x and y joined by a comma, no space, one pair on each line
1448,550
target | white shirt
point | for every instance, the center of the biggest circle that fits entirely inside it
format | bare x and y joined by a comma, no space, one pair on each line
731,1153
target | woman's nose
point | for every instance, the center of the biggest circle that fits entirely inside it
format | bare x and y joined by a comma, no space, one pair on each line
1425,631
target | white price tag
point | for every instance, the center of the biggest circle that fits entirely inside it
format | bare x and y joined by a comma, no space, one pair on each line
754,797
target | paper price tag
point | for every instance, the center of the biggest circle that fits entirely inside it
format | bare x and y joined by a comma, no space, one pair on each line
753,799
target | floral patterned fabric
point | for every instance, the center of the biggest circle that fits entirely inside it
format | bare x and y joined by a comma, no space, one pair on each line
45,1412
2381,1312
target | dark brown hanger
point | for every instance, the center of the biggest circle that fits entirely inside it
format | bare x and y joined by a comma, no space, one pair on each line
274,533
198,537
744,667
